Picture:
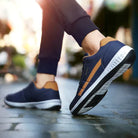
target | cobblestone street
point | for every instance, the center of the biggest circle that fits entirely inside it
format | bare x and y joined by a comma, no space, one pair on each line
115,117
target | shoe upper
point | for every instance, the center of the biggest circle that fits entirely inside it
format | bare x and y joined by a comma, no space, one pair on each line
33,94
94,65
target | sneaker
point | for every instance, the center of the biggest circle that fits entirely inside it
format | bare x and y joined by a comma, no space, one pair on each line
99,70
33,97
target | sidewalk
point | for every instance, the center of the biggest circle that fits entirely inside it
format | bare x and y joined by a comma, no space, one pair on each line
115,117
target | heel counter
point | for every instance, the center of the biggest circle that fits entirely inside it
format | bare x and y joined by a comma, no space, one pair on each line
51,85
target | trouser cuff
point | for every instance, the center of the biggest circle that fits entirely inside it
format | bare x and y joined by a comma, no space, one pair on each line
47,66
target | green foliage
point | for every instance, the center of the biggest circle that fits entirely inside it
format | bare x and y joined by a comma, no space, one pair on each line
19,61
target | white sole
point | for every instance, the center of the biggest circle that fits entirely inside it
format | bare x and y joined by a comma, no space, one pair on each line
48,104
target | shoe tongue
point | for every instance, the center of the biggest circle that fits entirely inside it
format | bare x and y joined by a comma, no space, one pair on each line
51,85
106,40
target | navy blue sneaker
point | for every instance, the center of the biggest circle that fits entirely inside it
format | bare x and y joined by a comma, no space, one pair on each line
99,70
33,97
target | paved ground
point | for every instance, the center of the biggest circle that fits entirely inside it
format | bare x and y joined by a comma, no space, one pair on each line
116,116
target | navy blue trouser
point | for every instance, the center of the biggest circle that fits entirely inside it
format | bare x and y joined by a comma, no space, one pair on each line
60,16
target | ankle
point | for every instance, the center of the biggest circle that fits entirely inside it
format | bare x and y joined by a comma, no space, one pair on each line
41,79
91,43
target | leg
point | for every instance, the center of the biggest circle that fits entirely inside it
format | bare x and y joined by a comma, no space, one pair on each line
44,93
107,59
77,23
50,48
76,19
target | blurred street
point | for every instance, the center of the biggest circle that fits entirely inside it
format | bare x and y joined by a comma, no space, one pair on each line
116,116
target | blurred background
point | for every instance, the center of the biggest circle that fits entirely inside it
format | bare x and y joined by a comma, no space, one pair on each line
20,35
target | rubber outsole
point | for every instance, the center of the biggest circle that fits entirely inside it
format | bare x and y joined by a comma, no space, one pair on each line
89,101
44,105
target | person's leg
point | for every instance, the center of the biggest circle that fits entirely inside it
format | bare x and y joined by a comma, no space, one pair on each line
77,23
50,48
73,19
107,58
44,93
